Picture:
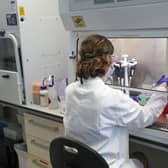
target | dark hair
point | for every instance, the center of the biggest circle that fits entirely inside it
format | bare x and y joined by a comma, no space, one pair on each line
93,52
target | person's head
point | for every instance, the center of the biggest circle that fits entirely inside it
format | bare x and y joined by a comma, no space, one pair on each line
95,57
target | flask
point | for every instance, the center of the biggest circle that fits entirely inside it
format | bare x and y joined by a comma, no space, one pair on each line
43,96
52,94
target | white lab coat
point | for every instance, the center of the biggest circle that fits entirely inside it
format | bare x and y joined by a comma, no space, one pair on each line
100,117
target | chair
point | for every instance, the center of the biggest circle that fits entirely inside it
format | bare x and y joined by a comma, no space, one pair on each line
68,153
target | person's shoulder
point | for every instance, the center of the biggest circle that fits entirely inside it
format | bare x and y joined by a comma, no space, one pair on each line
112,91
71,86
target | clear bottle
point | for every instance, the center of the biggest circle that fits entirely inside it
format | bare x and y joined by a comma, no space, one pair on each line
53,101
43,96
52,94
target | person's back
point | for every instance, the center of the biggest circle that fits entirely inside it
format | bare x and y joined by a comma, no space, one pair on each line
100,116
85,120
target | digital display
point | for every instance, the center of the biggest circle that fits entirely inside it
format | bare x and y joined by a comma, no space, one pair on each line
11,19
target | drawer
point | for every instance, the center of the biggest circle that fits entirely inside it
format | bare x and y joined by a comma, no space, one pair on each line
38,147
43,128
36,162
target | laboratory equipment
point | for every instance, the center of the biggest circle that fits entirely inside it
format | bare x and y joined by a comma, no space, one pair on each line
29,47
130,27
114,15
11,77
125,70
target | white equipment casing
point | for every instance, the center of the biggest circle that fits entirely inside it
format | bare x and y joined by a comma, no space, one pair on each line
41,38
11,81
113,19
108,15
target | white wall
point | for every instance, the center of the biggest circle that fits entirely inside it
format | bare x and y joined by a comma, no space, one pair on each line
44,42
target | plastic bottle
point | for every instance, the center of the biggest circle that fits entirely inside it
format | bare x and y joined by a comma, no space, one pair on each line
52,94
43,96
36,93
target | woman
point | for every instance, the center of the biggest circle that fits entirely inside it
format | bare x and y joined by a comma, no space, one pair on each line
100,116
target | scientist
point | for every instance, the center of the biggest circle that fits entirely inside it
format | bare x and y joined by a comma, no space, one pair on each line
100,116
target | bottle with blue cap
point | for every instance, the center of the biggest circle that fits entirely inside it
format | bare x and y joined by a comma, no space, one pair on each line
43,95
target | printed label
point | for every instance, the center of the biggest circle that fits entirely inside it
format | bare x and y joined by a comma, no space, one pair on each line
21,11
78,21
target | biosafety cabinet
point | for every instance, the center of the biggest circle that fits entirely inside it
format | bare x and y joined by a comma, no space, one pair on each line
138,29
32,46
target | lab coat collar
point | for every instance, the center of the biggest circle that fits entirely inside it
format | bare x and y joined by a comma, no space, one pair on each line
96,80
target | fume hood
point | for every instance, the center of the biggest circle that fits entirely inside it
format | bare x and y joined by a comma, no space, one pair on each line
136,28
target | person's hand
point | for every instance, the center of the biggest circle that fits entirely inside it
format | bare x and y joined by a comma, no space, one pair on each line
163,79
164,84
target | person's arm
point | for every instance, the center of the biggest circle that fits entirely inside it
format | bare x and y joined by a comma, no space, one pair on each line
130,114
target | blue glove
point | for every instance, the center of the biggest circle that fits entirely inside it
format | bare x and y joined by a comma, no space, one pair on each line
133,97
162,79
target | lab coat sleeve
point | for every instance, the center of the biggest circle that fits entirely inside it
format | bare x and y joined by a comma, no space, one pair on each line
131,114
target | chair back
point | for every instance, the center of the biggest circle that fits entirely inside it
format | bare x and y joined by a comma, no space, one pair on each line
68,153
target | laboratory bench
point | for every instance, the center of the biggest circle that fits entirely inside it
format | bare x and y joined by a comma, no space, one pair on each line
40,125
53,114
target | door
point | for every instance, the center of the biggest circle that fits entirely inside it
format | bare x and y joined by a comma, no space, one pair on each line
11,85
